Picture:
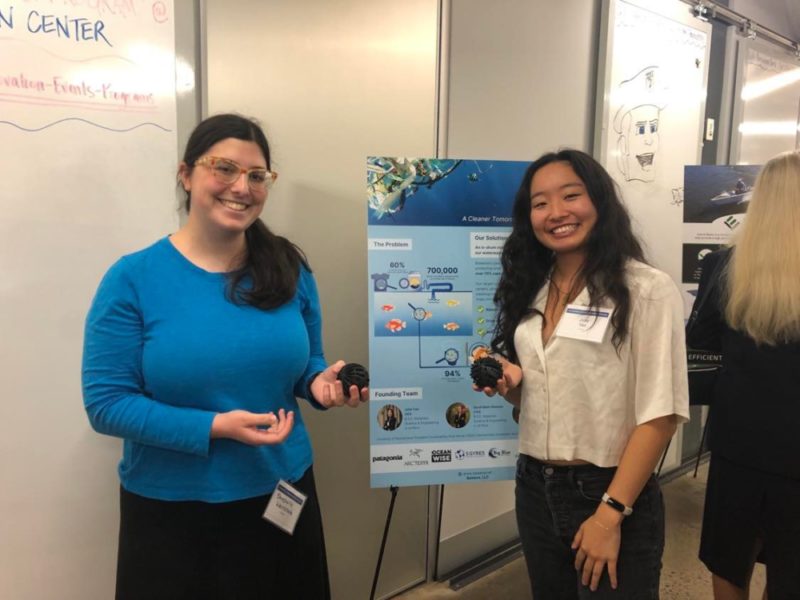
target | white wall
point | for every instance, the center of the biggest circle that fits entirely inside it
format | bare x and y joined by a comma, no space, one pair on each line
521,77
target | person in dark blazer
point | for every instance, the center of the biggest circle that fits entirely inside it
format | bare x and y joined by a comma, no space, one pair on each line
390,421
752,316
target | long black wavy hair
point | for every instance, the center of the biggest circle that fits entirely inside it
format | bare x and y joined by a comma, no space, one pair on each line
272,264
527,263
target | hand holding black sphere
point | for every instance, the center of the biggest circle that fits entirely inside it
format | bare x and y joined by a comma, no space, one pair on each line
486,371
353,374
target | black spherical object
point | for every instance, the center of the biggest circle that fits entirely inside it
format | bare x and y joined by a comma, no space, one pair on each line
353,374
486,371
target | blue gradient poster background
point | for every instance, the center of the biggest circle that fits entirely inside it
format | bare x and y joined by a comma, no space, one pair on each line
436,229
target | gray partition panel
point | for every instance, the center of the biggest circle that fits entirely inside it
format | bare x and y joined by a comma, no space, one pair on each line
521,82
334,82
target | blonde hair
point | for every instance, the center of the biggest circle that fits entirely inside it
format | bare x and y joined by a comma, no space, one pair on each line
763,291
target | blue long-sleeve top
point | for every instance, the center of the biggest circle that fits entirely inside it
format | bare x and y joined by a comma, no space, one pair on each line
165,350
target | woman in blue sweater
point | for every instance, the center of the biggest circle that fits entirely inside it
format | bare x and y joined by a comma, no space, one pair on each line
195,351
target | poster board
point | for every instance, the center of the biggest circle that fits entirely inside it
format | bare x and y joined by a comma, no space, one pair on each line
715,204
436,229
766,108
88,130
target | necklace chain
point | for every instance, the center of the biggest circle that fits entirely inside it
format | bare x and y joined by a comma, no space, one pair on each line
563,296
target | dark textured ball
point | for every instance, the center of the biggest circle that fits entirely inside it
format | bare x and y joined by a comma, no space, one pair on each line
486,371
353,374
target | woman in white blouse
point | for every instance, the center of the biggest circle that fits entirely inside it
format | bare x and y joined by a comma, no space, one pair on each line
592,343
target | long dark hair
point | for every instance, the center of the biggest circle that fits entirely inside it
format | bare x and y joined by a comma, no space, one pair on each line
527,263
272,264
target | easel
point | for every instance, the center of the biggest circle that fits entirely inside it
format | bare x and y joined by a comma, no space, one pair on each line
393,489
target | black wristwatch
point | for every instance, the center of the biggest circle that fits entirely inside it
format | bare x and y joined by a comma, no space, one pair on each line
617,505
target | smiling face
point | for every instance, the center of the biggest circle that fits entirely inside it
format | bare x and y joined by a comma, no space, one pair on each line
643,142
562,214
218,208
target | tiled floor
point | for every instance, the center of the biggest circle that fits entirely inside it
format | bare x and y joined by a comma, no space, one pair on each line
683,576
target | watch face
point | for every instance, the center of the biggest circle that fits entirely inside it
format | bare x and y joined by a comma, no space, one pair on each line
616,504
451,355
419,314
380,284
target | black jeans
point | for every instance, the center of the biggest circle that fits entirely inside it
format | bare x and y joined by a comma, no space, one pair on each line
552,503
202,551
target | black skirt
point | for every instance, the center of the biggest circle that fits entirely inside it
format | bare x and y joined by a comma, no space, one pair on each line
751,515
204,551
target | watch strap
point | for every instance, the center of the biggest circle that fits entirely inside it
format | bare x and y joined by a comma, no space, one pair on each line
617,505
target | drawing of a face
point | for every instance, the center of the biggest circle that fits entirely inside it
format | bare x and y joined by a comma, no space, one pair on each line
637,123
642,142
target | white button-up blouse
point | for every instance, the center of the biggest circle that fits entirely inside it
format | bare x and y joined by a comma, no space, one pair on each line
582,400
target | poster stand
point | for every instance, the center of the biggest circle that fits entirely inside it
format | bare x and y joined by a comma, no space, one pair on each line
393,489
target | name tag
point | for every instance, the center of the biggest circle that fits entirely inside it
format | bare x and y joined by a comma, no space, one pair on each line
284,507
584,323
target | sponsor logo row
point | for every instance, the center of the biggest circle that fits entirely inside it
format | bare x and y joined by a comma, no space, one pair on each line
416,457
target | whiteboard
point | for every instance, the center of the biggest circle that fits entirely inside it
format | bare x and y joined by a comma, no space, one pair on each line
766,108
652,82
88,155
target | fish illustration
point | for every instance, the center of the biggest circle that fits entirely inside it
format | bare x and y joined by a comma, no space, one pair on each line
387,307
451,326
480,352
452,303
395,325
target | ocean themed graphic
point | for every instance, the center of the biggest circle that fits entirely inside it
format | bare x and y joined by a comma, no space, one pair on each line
436,231
712,192
417,314
391,181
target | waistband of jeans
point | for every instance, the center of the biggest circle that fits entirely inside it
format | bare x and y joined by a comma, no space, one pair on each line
590,468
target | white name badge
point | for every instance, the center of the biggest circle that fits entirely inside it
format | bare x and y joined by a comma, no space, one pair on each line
284,507
584,323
